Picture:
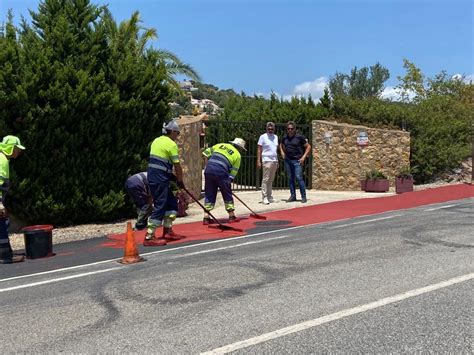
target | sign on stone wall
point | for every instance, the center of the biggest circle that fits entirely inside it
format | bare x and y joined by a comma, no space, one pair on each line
362,139
328,137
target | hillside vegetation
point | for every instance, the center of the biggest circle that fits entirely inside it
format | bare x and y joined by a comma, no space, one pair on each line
438,112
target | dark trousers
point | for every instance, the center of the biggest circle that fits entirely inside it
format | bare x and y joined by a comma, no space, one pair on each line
163,201
6,252
221,182
141,198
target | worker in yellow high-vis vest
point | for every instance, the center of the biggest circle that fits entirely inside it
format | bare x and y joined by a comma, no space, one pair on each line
222,165
10,148
164,158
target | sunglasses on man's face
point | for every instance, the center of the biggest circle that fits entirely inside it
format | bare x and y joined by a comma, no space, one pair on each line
177,132
270,128
290,129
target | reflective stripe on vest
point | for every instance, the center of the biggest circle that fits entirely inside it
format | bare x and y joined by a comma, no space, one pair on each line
164,160
162,164
216,160
144,180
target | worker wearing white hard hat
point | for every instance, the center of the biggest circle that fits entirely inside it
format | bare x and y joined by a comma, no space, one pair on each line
222,165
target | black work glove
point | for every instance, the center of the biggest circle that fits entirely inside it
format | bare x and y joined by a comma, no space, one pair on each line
180,184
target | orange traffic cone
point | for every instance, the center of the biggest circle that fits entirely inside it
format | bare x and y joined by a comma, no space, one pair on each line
130,252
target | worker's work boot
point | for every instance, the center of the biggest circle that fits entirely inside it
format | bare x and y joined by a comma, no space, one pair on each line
207,220
151,241
171,236
14,259
140,226
233,219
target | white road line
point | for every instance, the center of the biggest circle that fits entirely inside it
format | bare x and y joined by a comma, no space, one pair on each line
363,222
230,239
117,268
231,246
338,315
57,280
438,208
57,270
188,246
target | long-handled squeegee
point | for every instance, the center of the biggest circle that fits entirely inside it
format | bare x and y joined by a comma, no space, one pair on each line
219,224
252,214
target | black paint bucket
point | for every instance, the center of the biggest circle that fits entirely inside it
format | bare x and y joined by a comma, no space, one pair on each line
38,241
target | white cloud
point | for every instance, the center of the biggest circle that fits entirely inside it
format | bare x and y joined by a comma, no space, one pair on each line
394,94
391,93
467,78
262,94
314,88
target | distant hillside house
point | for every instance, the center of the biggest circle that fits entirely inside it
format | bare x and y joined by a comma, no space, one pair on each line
186,85
206,105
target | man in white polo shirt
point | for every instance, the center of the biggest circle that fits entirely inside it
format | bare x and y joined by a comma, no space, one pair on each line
267,160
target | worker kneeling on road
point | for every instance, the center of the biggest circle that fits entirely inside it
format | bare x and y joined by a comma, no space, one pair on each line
139,191
223,163
163,157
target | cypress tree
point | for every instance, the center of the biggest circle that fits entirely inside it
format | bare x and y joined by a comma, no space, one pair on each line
90,107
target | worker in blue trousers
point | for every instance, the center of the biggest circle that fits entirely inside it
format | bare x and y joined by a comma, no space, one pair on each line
222,165
164,158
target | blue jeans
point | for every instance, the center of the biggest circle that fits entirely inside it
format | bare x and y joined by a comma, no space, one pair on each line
295,170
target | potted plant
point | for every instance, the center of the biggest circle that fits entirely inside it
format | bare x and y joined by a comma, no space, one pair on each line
375,181
404,180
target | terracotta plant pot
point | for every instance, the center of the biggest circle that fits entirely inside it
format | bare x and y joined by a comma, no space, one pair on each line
403,185
379,185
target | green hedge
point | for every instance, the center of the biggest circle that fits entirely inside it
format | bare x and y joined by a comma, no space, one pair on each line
85,105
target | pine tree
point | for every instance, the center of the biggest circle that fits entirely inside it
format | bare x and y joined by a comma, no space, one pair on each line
325,100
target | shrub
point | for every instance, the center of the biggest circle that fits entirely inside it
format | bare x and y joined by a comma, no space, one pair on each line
405,173
375,174
86,105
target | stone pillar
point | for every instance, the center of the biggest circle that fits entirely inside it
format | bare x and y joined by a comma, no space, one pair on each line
190,153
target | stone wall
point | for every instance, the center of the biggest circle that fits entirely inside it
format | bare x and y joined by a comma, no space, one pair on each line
340,161
190,152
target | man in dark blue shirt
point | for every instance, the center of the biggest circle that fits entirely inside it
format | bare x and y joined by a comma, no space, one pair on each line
294,149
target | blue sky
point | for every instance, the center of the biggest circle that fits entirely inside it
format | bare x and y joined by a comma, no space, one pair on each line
294,46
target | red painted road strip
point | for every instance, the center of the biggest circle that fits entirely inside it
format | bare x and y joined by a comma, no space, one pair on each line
326,212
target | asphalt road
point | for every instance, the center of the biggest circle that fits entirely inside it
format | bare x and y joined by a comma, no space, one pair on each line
395,282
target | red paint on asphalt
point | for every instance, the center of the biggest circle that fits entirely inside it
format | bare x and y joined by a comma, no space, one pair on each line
304,215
